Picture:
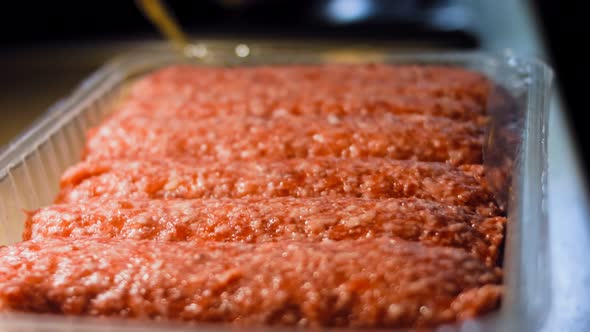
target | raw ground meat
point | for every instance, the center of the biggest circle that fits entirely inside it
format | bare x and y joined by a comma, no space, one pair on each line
197,92
311,177
356,283
264,220
230,138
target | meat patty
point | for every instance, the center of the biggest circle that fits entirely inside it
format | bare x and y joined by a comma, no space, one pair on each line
312,177
230,138
357,283
197,92
259,220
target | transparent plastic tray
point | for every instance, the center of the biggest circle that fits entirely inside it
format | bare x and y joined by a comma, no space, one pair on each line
31,165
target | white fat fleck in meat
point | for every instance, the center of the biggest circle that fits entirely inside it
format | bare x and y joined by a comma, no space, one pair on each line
318,138
333,119
174,180
358,220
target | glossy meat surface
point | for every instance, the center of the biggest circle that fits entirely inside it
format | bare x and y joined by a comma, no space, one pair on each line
265,220
198,92
253,138
312,177
344,283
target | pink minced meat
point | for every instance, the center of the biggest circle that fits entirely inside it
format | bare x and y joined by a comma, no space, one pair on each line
197,92
230,138
357,283
312,177
259,220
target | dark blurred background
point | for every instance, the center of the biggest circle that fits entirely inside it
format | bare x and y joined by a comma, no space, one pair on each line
47,47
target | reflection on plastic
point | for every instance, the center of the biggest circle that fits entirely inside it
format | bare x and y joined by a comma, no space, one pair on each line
502,142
